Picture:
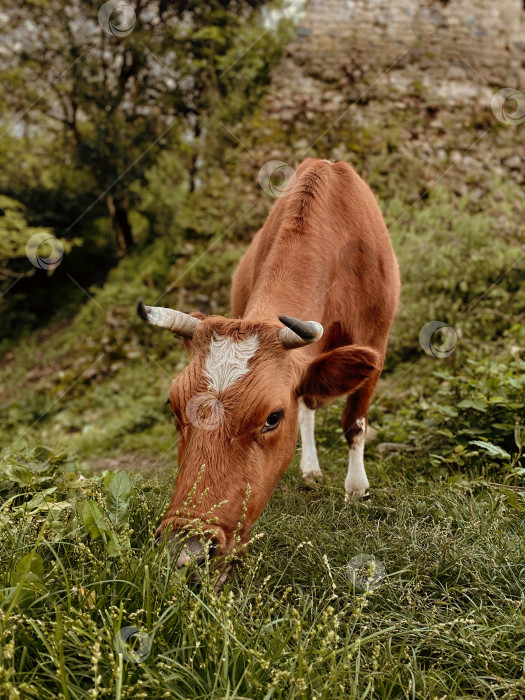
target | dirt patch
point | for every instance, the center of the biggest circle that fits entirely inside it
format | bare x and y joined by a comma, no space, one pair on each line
139,461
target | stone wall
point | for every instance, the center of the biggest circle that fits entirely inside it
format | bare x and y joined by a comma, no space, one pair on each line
459,50
494,24
430,68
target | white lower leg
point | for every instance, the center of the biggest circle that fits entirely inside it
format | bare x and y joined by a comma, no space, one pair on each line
310,468
356,482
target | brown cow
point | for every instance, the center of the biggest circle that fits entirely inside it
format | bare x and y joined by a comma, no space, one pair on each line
324,253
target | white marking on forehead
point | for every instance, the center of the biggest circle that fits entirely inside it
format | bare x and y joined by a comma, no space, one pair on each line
227,360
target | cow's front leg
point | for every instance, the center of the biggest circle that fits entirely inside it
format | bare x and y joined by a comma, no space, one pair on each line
354,420
310,468
356,482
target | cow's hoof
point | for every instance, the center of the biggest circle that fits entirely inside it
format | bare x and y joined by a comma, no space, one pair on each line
360,495
313,477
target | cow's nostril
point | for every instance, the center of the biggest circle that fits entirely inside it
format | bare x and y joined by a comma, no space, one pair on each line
192,550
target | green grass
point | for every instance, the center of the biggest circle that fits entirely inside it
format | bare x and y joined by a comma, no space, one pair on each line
446,620
446,514
445,518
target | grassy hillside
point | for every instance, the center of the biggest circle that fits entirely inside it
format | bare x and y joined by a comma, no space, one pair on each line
445,517
438,613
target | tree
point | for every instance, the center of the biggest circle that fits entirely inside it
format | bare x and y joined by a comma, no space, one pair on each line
114,85
22,244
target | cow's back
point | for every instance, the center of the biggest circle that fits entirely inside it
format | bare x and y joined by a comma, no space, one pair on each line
323,254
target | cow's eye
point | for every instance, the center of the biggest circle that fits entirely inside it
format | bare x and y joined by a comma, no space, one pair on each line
272,421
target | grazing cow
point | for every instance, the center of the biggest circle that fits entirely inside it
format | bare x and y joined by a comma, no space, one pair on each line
324,253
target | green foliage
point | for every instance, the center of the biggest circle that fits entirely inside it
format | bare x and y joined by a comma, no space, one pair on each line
15,233
461,263
118,493
78,562
37,469
488,400
93,519
108,153
467,418
445,614
26,581
29,569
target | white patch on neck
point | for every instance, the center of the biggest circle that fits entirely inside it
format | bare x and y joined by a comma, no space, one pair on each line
227,361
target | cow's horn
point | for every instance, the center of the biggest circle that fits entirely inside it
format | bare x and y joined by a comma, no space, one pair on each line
174,321
298,333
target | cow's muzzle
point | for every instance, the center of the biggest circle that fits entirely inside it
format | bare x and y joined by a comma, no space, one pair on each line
193,551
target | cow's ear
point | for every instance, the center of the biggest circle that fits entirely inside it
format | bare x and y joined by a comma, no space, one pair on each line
195,314
338,372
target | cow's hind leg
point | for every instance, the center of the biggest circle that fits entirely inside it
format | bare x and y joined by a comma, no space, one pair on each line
355,421
310,468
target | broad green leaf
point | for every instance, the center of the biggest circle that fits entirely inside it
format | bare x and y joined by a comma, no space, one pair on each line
473,403
42,453
457,479
493,450
515,499
446,432
448,411
108,478
29,569
113,545
93,519
118,493
17,473
40,500
58,505
60,457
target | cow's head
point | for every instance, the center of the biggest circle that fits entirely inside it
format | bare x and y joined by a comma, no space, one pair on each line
235,408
